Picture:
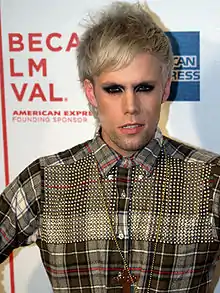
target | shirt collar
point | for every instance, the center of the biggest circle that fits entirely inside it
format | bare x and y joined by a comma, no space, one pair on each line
107,158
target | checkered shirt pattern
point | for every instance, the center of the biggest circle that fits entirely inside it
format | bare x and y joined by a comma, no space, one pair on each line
90,266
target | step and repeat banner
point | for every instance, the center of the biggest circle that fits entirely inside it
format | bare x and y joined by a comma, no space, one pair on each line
43,109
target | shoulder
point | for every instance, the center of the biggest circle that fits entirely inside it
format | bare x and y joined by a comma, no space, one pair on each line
33,173
68,156
189,153
29,181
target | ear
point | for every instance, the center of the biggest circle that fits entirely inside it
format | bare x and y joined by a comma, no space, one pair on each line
166,91
90,93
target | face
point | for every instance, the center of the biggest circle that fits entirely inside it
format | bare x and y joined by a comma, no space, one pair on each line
129,102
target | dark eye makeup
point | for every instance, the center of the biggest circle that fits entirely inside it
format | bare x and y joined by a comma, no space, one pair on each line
144,87
117,88
113,89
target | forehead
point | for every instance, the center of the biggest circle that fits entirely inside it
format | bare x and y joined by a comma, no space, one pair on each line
144,67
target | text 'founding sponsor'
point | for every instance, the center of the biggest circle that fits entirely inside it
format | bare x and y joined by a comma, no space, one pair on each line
53,116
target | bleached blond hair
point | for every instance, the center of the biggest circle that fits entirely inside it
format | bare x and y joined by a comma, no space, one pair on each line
115,35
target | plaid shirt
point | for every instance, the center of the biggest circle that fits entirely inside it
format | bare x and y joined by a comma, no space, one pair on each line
77,248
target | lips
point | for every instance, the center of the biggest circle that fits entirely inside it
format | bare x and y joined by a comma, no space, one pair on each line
131,128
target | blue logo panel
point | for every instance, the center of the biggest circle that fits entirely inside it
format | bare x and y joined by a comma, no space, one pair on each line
186,72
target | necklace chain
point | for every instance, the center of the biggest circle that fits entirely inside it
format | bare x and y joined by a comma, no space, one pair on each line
126,267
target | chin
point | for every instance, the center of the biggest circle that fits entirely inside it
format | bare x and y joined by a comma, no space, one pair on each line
134,147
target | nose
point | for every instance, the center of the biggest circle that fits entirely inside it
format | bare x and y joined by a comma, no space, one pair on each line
130,102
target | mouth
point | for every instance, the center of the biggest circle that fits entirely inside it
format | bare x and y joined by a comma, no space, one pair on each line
131,126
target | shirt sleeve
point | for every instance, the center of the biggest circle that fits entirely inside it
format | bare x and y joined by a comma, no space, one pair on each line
215,192
20,209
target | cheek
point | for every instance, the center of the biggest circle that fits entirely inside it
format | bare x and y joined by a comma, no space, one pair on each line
152,106
108,108
107,114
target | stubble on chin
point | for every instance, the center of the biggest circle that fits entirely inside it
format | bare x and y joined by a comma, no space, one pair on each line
129,144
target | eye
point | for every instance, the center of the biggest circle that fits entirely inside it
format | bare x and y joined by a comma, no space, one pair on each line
144,88
113,89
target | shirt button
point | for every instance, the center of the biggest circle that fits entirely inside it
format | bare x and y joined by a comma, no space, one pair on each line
123,194
121,235
110,177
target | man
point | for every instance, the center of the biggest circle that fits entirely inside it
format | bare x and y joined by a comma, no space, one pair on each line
129,209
